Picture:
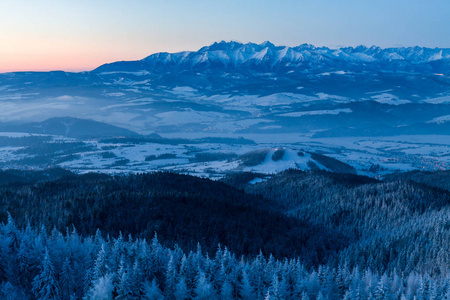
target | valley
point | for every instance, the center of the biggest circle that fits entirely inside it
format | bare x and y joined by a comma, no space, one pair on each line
200,155
376,110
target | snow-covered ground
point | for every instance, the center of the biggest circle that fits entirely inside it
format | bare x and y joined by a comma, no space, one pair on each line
445,99
388,154
390,99
441,119
316,112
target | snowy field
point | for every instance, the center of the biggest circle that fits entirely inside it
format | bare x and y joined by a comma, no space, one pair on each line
368,155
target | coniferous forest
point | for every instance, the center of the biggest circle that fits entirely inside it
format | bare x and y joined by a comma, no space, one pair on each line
294,235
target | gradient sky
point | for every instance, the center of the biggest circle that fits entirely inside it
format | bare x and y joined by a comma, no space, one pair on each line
76,35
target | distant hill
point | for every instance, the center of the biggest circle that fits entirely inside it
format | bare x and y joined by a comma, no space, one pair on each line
438,179
70,127
14,177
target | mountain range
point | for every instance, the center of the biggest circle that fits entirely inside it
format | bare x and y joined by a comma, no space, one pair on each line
230,87
306,58
286,134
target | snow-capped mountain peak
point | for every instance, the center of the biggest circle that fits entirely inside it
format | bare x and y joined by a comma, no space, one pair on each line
228,56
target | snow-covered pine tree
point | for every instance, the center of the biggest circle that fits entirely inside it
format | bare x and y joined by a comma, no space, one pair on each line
246,290
151,291
45,286
11,232
67,280
137,278
171,279
127,289
101,290
226,291
100,266
157,258
383,288
26,266
204,290
181,290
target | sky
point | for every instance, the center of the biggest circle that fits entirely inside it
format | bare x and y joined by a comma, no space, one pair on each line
79,35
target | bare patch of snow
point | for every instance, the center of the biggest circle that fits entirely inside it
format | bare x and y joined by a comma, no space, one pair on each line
442,119
438,100
390,99
317,112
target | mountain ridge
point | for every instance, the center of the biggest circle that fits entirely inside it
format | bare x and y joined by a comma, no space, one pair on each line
267,56
70,127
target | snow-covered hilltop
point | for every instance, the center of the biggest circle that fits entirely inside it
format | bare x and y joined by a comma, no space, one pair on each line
267,56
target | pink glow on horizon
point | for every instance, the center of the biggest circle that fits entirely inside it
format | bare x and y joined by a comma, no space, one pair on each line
84,34
45,58
55,61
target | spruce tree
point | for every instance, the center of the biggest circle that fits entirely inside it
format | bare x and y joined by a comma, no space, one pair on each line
246,290
181,290
152,291
101,290
226,291
67,280
204,289
126,289
171,279
45,286
100,266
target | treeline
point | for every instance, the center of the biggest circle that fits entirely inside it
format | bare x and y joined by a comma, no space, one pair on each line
24,141
55,148
19,177
35,264
438,179
155,138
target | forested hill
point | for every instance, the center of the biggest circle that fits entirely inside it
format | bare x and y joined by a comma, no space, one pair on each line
399,224
184,210
343,234
438,179
319,216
